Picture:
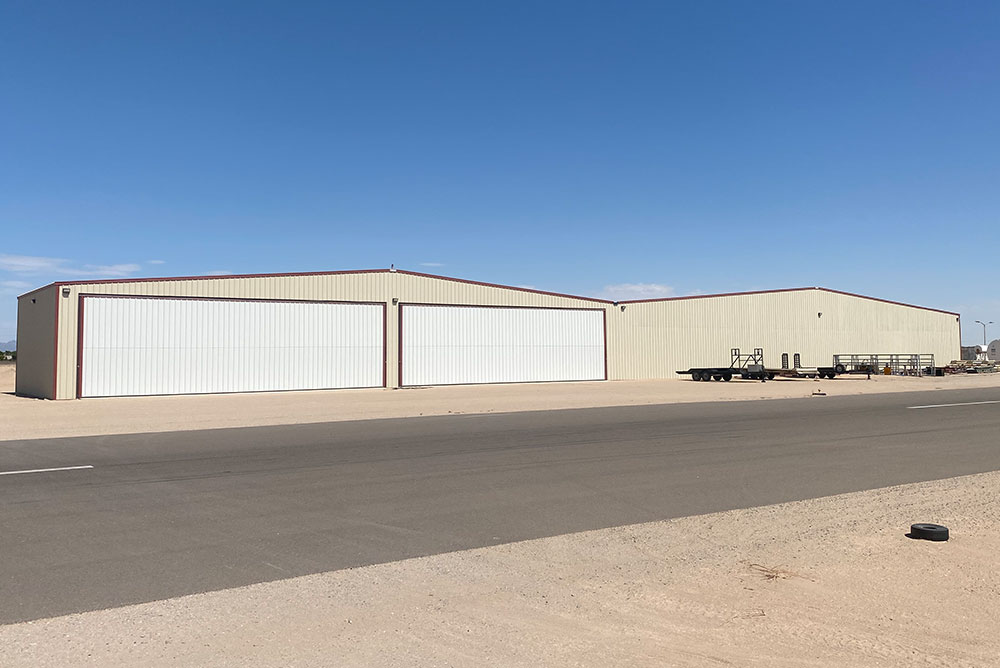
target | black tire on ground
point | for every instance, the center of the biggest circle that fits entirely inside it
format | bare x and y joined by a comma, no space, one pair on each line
727,377
770,376
704,376
716,377
840,368
934,532
696,375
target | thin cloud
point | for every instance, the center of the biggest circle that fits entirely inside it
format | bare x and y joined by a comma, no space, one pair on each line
431,264
30,264
13,287
627,291
156,261
219,272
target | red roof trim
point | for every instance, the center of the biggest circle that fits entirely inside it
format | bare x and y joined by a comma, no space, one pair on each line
105,281
505,287
889,301
468,282
721,294
764,292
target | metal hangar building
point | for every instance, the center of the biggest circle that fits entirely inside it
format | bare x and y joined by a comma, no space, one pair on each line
395,328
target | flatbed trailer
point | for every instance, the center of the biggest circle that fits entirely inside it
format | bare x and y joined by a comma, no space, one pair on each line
808,372
748,367
751,367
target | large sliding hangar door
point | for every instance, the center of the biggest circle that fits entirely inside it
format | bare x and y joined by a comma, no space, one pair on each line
450,345
173,345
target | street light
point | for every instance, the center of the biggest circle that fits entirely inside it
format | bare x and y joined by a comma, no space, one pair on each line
984,329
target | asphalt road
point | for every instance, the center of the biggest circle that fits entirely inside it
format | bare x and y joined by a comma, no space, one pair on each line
162,515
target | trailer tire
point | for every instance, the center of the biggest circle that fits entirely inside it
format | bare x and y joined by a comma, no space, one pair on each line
770,376
727,377
934,532
716,377
840,368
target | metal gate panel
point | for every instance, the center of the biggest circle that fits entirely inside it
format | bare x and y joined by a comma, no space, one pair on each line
165,345
447,345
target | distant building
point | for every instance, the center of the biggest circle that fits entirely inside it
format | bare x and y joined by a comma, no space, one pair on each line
969,353
993,350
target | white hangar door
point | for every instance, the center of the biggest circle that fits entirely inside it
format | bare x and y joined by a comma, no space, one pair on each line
445,345
157,345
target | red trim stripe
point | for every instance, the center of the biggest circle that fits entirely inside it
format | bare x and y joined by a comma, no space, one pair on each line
79,346
765,292
479,283
55,351
105,281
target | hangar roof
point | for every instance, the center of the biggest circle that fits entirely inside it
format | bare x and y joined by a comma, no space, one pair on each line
492,285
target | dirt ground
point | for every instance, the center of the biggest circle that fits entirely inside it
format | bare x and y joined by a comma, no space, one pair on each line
825,582
33,418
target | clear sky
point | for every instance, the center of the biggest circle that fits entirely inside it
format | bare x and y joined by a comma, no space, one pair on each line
621,149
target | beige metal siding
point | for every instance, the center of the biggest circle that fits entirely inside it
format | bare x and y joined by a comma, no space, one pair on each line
656,339
380,286
646,340
36,327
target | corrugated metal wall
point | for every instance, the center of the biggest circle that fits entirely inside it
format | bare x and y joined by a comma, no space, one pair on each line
371,286
142,346
36,343
656,339
448,345
646,340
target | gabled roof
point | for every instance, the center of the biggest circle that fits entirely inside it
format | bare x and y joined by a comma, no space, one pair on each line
316,273
764,292
468,282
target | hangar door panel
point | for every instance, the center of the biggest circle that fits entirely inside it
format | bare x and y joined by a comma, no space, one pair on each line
446,345
141,346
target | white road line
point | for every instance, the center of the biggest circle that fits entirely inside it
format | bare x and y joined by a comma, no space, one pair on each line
61,468
968,403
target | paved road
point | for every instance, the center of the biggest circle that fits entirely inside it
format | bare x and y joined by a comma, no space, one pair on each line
167,514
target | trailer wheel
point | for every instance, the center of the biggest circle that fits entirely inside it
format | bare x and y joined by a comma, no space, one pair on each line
770,376
716,377
727,377
840,368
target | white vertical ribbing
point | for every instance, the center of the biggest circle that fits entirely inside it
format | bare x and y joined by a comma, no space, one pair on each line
135,346
445,345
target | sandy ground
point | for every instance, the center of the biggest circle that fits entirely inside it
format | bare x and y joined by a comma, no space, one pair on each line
33,418
824,582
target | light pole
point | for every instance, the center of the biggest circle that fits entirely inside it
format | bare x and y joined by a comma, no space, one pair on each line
984,329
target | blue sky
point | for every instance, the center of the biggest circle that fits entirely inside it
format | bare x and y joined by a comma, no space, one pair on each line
625,149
